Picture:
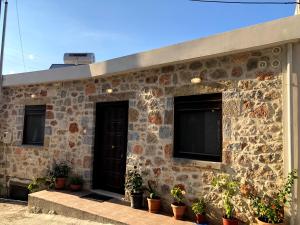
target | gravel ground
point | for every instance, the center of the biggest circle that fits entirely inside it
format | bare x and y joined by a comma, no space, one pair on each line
16,214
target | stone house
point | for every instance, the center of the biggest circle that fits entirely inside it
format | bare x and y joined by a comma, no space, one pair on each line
143,110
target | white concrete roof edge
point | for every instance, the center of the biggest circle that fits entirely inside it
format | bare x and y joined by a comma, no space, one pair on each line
271,33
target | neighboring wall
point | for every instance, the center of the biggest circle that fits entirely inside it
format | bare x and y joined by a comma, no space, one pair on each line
252,124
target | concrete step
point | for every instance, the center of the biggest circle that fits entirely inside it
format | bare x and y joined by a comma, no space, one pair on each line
113,211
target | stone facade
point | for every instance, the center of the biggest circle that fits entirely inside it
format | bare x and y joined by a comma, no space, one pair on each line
252,124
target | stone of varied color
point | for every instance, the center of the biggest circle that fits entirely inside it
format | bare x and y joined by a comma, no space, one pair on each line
237,71
73,128
196,65
151,80
155,118
137,149
219,74
165,79
252,64
211,63
252,146
167,69
89,89
133,115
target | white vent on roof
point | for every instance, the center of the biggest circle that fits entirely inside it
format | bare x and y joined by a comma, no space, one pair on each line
79,58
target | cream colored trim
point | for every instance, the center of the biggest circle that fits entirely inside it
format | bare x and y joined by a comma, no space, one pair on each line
268,34
297,10
291,123
289,106
290,117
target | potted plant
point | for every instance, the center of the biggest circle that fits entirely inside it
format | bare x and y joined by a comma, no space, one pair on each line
178,206
199,208
228,187
76,183
41,183
269,209
60,172
133,184
153,199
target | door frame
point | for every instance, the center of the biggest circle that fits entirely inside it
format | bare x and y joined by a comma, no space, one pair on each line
97,143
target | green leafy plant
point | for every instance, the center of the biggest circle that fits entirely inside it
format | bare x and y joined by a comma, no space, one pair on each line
270,208
76,180
178,192
41,183
152,192
134,181
229,188
199,206
60,170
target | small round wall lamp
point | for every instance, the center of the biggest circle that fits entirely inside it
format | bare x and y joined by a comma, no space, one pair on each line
33,95
109,90
196,80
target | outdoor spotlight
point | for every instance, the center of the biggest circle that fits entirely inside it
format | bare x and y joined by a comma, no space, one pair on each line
196,80
109,90
33,96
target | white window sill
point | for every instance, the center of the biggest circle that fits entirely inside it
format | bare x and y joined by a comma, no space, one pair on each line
197,163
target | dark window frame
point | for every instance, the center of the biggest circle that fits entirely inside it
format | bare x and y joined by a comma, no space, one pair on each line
34,110
204,102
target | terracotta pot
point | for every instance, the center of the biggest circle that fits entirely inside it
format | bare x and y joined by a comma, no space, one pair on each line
75,187
200,219
230,221
136,200
60,183
178,211
153,205
264,223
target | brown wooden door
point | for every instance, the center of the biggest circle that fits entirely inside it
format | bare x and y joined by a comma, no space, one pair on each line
110,146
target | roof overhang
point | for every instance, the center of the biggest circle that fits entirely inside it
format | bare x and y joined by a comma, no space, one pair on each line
268,34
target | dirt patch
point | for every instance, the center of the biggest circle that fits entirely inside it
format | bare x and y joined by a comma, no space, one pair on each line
17,214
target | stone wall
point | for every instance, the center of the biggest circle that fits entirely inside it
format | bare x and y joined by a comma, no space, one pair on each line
252,124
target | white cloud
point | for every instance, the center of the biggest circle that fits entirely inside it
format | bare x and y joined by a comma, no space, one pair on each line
31,56
11,72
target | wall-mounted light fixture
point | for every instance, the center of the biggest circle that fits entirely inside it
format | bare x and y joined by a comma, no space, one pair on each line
109,90
33,95
196,80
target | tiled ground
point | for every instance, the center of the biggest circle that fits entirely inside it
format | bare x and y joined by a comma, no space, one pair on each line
110,211
12,213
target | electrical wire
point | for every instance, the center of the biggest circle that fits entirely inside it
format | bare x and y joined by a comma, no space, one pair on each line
20,35
249,2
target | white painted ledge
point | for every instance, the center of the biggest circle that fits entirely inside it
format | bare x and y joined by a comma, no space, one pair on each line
268,34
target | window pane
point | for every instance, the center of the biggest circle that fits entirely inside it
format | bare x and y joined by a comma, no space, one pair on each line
35,130
34,125
198,127
199,132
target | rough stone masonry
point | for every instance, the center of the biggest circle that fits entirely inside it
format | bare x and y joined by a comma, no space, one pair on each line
252,125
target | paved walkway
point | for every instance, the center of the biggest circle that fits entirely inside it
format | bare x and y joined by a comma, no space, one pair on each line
108,211
17,214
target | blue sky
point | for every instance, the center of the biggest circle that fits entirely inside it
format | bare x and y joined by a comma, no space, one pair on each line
113,28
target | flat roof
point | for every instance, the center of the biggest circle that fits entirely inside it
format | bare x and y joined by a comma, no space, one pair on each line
276,32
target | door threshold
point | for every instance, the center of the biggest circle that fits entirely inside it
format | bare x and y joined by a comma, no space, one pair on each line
109,194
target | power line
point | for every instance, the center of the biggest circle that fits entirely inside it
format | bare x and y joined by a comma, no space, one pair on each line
20,35
248,2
